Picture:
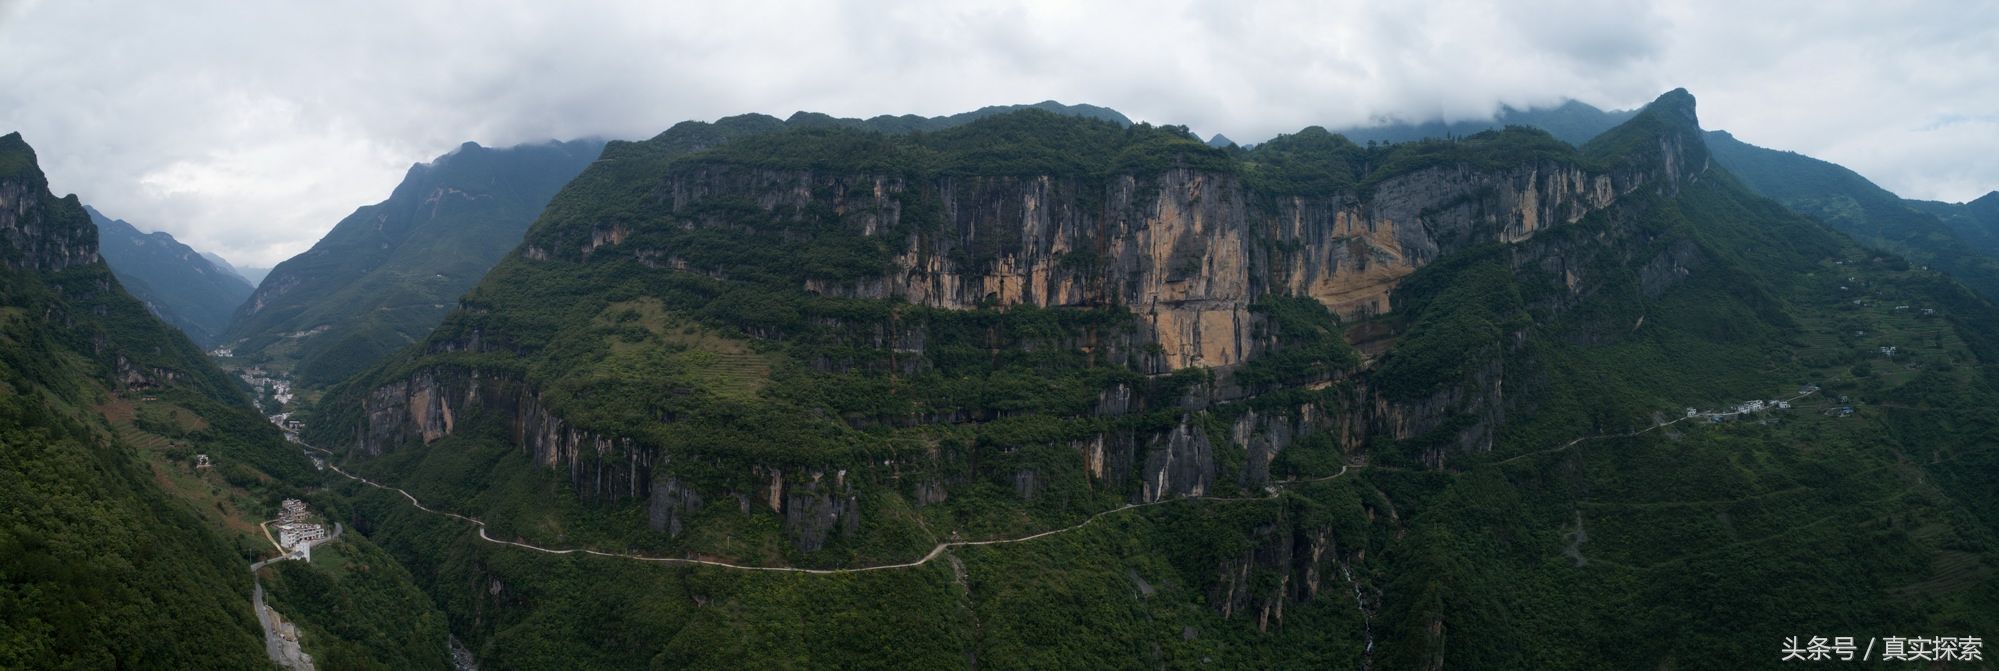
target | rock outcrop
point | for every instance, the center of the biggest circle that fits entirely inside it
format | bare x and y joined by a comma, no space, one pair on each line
1187,250
433,403
37,231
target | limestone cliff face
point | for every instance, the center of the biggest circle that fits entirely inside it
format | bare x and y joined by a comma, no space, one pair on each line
131,376
432,404
40,233
1188,250
1264,435
1178,463
1289,563
1469,410
1475,406
1181,461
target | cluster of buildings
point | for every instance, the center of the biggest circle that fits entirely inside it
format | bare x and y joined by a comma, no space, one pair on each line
281,389
285,421
1748,407
295,525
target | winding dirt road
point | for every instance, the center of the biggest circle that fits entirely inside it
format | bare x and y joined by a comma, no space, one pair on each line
934,553
1639,432
1271,490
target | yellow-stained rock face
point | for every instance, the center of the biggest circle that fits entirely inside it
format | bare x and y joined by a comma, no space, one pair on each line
1188,251
434,411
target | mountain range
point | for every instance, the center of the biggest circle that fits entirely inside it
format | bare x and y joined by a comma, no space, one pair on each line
193,291
1572,121
1962,239
136,475
1967,248
1033,386
1047,391
385,274
252,275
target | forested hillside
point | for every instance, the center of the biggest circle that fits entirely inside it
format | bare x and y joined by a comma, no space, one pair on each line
135,478
1310,405
387,273
115,554
182,286
1852,205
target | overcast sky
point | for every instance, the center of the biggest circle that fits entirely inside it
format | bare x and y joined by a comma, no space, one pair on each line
250,128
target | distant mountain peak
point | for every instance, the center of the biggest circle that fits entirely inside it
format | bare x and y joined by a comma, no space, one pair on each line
1677,104
1572,121
190,289
389,269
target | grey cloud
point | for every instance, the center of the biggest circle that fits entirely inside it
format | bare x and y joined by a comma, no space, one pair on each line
250,128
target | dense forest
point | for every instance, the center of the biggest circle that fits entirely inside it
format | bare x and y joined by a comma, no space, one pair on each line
694,354
122,547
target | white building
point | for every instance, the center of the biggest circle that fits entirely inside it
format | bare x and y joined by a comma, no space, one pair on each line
291,534
292,510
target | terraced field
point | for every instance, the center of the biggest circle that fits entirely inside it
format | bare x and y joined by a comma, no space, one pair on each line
208,492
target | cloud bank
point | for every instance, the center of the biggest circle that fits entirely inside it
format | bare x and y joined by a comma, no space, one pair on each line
251,128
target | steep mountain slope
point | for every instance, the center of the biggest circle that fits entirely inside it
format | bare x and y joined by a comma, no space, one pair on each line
103,561
1573,122
184,287
384,275
1857,207
825,347
135,476
250,275
1960,239
1975,222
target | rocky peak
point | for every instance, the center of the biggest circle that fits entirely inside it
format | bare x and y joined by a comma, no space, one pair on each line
1676,104
1189,247
37,230
1664,138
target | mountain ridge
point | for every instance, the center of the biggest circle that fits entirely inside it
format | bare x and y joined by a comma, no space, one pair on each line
385,274
179,284
1573,121
110,561
825,347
